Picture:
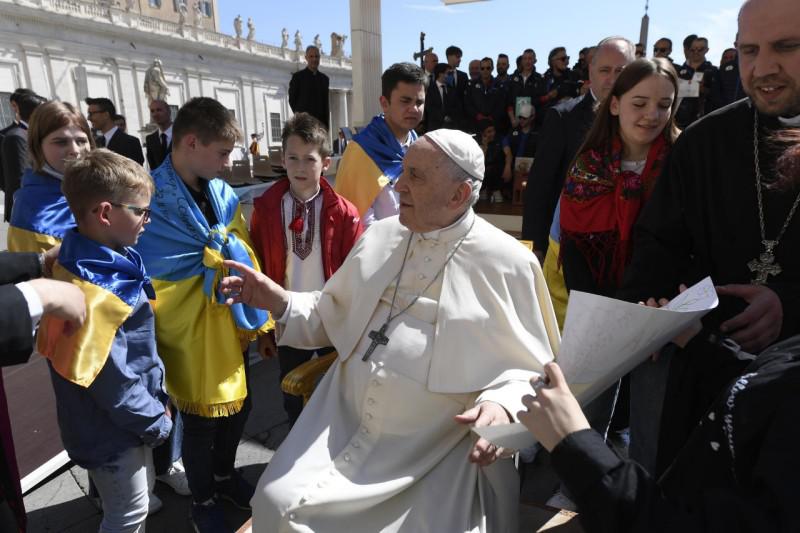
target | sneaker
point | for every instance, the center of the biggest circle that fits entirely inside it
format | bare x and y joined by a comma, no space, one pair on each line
236,490
154,504
497,197
175,477
561,501
209,519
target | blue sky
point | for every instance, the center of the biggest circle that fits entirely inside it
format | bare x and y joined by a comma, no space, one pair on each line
494,26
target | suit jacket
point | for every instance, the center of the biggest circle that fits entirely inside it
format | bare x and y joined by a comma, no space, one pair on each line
126,145
14,149
16,346
438,113
308,92
564,130
16,340
155,155
3,133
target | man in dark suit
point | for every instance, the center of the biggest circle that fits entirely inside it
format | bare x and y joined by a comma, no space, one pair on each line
12,100
101,115
457,81
308,89
14,149
441,104
23,301
561,136
159,143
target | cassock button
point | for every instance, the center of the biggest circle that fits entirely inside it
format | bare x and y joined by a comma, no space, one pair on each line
347,457
369,416
375,382
356,445
428,259
421,276
365,431
292,516
370,401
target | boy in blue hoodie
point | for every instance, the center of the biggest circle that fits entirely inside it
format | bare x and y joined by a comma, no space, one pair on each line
107,376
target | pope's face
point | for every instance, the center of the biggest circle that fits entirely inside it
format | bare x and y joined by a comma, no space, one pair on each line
428,195
769,55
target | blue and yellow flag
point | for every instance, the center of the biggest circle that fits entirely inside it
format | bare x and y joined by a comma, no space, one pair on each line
112,284
40,216
198,335
371,161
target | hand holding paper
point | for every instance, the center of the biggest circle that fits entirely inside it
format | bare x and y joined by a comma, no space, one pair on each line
604,339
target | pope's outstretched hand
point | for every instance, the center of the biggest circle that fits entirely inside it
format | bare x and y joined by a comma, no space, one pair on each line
253,288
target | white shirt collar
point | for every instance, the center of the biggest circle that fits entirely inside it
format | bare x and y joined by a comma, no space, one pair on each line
24,124
790,121
454,231
110,133
167,132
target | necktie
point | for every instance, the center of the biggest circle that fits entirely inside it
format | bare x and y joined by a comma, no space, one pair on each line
101,141
164,143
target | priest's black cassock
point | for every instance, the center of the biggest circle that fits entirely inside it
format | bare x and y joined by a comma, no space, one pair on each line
703,220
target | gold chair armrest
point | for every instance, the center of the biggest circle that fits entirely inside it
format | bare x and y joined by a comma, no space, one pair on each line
302,380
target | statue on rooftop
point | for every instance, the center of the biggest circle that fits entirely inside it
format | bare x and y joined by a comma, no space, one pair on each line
237,26
155,84
298,42
318,43
251,29
284,38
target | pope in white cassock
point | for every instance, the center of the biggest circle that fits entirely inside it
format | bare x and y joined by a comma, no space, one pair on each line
440,319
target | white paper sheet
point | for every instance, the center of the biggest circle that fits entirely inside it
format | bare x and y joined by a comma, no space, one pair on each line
688,89
604,339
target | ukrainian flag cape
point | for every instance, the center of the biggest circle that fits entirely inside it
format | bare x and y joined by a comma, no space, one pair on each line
40,216
198,335
112,284
371,161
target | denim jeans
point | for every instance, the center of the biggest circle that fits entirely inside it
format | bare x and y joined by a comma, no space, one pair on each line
290,358
124,485
209,447
170,450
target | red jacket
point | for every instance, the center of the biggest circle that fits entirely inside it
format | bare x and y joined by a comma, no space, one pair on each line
340,227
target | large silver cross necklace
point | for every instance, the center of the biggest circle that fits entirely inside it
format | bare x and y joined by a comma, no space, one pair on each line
764,265
379,336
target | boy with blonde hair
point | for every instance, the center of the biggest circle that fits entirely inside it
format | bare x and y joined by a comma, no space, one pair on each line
107,376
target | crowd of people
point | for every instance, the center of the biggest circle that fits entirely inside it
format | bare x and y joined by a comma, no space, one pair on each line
149,288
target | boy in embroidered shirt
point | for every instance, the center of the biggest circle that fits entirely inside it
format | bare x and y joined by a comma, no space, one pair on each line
196,224
301,229
107,377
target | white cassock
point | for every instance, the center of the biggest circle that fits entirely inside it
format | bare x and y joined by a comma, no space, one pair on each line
377,448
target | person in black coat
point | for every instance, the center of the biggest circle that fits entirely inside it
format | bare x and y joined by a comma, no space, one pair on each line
441,103
101,114
23,300
14,147
159,143
737,472
308,89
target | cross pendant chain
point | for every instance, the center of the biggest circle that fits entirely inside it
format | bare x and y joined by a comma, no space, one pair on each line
765,265
378,337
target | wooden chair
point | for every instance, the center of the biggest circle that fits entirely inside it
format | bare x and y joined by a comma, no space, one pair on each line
303,380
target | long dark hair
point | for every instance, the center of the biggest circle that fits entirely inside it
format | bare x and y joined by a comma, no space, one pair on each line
606,126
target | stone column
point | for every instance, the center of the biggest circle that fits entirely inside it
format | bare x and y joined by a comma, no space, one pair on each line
365,29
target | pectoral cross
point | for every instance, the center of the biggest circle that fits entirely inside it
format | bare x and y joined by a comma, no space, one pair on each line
378,337
765,265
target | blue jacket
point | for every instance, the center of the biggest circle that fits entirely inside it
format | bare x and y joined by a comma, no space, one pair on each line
124,406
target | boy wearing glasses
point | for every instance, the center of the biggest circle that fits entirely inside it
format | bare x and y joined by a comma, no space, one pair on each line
107,375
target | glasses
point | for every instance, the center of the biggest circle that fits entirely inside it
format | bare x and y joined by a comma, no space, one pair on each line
697,50
138,211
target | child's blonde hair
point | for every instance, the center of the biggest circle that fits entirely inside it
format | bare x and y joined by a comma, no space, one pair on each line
102,175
